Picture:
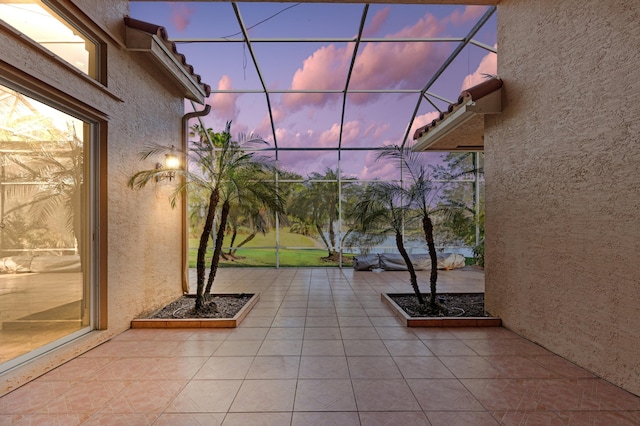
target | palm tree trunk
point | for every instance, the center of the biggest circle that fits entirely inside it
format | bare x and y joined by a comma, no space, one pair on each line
202,247
245,241
427,227
412,271
324,239
332,234
233,239
224,215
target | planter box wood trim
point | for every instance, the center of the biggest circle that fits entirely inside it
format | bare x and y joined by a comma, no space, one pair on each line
410,321
199,322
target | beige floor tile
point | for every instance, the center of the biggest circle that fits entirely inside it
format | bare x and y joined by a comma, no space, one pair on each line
210,334
84,397
323,367
288,333
248,334
233,367
32,396
144,396
43,419
365,348
407,348
470,367
322,333
354,322
321,312
256,322
238,348
205,396
384,395
78,369
443,395
359,333
321,322
280,347
396,333
450,348
325,419
197,348
257,419
322,347
417,367
373,367
517,346
174,367
265,396
285,321
447,418
121,419
190,419
386,322
324,395
350,312
412,418
274,367
292,312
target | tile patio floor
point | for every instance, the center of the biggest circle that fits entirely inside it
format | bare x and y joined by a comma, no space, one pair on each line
320,348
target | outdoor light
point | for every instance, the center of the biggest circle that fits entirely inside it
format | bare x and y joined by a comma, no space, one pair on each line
171,164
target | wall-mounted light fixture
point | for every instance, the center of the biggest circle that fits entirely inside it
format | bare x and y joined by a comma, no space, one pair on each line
171,164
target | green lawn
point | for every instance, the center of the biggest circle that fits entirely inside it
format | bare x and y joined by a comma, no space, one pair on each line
252,254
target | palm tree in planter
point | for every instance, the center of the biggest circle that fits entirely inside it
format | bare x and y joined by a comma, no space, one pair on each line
227,171
383,208
421,194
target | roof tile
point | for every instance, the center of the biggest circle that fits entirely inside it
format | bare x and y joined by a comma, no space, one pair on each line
471,94
161,32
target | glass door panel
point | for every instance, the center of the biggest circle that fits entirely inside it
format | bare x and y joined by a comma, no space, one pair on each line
44,249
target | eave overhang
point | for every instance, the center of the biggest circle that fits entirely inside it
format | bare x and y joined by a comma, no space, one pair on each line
461,127
152,40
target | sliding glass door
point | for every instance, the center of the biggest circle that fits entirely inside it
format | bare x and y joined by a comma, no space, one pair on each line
45,226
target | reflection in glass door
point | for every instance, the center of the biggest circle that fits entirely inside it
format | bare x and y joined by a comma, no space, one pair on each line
44,227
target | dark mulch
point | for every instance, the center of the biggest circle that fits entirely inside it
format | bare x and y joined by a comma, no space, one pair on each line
217,306
450,305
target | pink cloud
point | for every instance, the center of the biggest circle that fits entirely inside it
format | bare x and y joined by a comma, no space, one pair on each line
327,67
331,137
376,22
488,66
224,104
469,13
181,15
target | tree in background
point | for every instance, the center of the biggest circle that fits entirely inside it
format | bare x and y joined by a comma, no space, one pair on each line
316,204
467,222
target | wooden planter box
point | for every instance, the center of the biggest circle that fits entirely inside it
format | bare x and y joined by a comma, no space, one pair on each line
410,321
198,322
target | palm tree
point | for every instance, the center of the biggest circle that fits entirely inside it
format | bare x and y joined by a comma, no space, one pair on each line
421,194
226,171
383,208
317,204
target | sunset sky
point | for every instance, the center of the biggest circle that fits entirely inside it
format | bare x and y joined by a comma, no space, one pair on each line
312,120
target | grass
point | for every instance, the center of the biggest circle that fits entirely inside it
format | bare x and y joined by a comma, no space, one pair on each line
308,252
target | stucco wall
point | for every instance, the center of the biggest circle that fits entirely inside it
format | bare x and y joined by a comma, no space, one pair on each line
144,232
562,182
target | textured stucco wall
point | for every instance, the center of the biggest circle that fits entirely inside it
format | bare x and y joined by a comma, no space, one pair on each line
144,232
562,182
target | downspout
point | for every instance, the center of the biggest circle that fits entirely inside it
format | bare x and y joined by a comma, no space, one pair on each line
185,231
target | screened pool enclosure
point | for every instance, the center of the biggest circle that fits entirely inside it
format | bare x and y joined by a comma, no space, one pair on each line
327,87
